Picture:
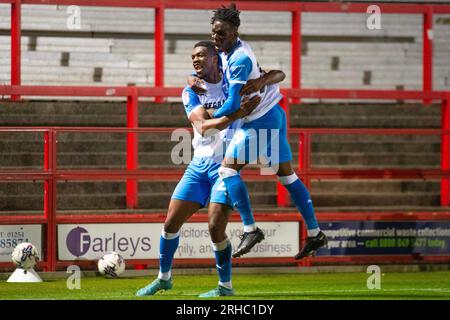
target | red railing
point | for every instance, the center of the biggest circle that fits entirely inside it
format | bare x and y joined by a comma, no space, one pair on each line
50,175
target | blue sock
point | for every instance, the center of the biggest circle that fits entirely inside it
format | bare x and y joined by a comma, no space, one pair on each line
223,263
300,196
167,250
239,196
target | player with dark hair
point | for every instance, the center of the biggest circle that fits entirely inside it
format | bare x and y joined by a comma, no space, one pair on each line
239,66
201,182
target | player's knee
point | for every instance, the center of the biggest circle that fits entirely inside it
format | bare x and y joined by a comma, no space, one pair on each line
216,231
216,227
213,228
213,225
172,224
227,172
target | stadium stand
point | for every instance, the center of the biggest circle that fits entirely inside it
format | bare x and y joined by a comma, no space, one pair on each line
123,53
334,55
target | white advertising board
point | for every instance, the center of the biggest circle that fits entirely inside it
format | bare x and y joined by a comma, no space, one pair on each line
141,240
12,235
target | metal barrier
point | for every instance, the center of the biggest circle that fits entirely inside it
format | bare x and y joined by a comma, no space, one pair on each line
51,175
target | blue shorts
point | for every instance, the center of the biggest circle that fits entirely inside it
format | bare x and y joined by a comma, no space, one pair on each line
201,182
264,138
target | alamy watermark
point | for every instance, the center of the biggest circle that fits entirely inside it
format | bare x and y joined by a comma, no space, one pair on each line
261,147
373,21
74,280
73,22
374,280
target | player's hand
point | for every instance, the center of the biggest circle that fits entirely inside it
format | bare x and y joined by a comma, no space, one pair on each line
254,85
197,84
210,112
248,105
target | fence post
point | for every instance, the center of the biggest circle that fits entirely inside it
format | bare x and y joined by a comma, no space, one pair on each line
50,199
296,43
132,146
159,48
445,152
427,70
16,14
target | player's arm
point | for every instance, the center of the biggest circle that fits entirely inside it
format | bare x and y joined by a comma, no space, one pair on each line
269,77
240,69
202,119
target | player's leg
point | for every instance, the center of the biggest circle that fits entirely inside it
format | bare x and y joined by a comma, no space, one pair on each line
178,213
189,196
229,173
302,200
238,154
218,215
298,191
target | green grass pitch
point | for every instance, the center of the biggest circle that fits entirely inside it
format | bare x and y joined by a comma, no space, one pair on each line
417,285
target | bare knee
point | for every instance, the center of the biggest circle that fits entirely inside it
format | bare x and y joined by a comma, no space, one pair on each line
171,226
173,222
217,223
215,228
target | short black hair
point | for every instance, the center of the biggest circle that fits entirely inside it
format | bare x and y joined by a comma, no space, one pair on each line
209,45
230,15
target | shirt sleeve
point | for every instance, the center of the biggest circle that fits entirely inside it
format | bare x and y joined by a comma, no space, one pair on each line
190,100
240,69
232,103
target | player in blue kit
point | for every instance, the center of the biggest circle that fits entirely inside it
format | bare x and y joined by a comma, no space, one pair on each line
263,135
201,182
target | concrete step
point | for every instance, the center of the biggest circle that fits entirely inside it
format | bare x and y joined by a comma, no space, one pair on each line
87,107
306,115
106,201
365,116
372,160
87,120
341,185
161,200
374,139
374,147
144,187
93,137
365,122
81,142
96,137
366,186
404,187
357,109
376,199
166,145
164,159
